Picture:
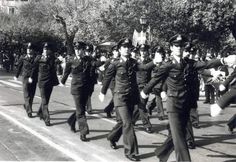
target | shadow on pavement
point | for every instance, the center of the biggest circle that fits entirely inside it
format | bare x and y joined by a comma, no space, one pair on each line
213,138
211,123
98,137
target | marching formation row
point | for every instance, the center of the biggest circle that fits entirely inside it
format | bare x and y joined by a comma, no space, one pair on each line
131,74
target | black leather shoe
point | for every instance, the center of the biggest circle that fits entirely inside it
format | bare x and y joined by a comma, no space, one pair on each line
206,102
109,115
191,145
73,129
89,111
83,138
113,145
196,126
149,111
148,130
47,123
29,115
230,130
132,157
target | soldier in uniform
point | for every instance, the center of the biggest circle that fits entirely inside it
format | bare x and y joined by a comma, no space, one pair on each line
80,66
115,55
158,89
143,77
47,79
176,74
25,65
126,95
226,99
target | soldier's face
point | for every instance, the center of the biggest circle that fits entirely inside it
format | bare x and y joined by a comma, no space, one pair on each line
29,51
124,50
79,52
177,50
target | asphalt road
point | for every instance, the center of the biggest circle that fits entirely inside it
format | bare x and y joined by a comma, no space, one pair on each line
25,139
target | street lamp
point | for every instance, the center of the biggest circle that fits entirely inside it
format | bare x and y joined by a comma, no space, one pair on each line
143,21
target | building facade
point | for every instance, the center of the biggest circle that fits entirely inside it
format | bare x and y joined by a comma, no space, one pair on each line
11,6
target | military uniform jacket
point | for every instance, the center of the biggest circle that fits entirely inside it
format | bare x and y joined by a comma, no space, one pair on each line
81,74
106,65
46,67
126,88
25,65
158,88
143,76
179,82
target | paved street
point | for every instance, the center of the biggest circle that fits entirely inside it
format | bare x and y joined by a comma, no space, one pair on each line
25,139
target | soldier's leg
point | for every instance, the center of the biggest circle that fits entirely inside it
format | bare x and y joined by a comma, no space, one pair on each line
232,123
45,97
165,150
190,135
109,108
89,101
26,91
212,94
72,121
160,109
33,87
143,115
80,102
116,131
129,137
178,122
207,94
151,106
194,117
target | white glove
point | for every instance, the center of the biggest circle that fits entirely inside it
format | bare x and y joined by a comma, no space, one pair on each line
221,87
101,97
230,60
157,59
143,95
30,80
103,58
15,78
163,95
102,68
215,110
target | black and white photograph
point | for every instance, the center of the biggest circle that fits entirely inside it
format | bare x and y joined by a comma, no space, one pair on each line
118,80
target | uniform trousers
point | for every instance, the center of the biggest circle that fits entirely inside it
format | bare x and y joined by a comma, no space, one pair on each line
141,111
157,102
168,146
45,93
80,104
109,108
29,92
232,122
124,125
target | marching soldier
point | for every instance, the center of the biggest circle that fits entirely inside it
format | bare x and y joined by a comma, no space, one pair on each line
115,55
126,95
25,65
143,77
226,99
157,90
47,79
80,66
176,74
